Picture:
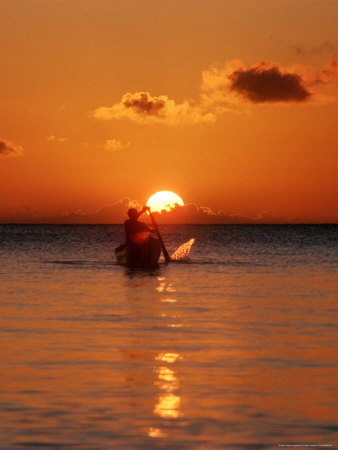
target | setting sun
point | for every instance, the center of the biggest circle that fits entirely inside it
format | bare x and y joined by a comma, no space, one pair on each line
164,200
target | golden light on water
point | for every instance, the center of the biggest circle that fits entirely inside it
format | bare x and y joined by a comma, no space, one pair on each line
168,300
166,374
165,287
168,406
166,380
156,433
164,200
168,357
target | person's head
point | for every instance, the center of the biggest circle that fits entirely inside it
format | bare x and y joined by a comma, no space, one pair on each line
132,213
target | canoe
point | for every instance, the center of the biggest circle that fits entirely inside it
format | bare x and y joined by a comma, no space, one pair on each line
145,255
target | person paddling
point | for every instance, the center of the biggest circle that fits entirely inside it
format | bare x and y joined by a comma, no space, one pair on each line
137,233
141,249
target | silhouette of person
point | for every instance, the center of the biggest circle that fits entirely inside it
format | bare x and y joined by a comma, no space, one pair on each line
137,233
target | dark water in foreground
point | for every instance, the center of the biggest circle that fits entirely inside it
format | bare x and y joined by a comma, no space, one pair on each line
235,349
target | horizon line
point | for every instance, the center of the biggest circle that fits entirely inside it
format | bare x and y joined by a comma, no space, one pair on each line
173,224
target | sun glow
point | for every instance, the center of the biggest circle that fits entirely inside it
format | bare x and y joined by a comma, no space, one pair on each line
164,200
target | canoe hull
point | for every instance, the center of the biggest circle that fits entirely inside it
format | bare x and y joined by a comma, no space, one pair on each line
145,255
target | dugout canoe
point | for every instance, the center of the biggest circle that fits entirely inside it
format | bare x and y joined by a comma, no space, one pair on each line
145,255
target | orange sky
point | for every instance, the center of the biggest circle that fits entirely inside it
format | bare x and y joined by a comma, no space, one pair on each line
231,104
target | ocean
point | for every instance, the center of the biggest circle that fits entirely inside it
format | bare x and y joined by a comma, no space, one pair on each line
233,347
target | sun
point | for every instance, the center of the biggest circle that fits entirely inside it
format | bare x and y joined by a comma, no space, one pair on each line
164,200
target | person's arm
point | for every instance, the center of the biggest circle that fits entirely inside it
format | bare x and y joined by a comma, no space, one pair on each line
151,228
146,227
143,210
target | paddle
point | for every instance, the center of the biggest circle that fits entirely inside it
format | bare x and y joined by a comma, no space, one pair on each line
164,250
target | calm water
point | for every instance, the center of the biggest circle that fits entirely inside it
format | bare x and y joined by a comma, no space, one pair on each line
234,349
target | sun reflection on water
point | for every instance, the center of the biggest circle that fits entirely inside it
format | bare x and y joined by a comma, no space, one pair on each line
166,380
166,374
156,433
168,357
168,406
165,287
168,300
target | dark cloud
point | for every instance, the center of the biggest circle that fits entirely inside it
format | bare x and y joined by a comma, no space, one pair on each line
264,83
143,103
191,213
7,148
194,214
326,47
330,73
115,213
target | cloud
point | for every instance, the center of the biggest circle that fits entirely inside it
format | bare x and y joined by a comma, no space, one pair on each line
264,82
113,145
7,148
330,73
191,213
194,214
133,204
234,85
325,47
53,138
215,88
228,87
117,214
269,83
141,107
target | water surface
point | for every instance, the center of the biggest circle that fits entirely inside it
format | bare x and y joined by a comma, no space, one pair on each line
235,348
